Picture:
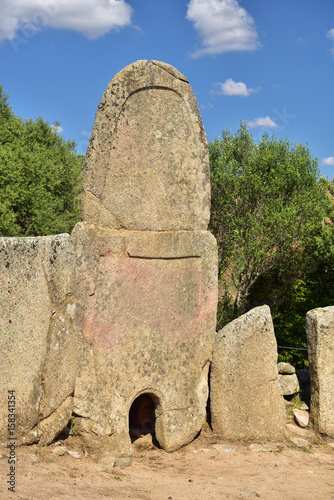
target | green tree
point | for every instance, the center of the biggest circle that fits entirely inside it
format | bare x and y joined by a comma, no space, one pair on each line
40,176
299,288
267,209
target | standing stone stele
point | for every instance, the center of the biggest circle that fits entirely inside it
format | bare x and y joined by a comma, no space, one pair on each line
146,265
246,401
320,346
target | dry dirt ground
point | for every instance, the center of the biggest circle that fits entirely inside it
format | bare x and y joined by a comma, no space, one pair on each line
196,472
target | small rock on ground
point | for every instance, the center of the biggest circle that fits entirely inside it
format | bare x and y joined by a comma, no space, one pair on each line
304,406
293,429
74,454
31,458
302,417
286,369
59,451
301,443
225,448
263,447
107,461
123,462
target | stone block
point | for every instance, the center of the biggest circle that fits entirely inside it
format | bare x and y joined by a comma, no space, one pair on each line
246,401
286,369
320,346
146,310
289,384
37,339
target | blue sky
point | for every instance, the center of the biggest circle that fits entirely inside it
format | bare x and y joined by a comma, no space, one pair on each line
270,62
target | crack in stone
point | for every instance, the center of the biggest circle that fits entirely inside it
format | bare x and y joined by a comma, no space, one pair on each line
169,70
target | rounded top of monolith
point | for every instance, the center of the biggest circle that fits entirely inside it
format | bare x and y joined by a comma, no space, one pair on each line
147,165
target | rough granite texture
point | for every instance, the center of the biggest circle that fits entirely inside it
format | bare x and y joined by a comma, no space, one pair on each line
129,308
146,307
289,384
147,165
246,401
146,266
37,353
320,346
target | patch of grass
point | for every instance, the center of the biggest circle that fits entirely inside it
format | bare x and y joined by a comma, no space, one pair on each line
73,428
296,404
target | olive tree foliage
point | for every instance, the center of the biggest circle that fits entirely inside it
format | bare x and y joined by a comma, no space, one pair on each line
267,206
40,176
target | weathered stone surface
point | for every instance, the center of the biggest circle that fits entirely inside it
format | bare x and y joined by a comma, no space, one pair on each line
295,430
302,417
47,429
301,443
144,276
320,345
225,448
37,353
147,164
245,397
146,305
59,451
289,384
286,369
304,406
263,447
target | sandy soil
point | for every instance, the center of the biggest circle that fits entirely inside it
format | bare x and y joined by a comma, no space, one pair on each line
196,472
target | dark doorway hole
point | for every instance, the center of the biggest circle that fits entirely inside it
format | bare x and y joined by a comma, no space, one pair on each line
142,416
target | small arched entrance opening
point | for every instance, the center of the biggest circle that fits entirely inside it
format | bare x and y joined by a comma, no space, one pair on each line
142,416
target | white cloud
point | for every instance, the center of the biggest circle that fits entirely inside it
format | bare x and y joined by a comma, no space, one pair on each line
278,86
92,18
329,161
262,122
230,87
57,128
85,133
330,34
223,26
207,106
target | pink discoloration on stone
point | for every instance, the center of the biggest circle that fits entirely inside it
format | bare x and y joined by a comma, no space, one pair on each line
147,297
147,267
208,312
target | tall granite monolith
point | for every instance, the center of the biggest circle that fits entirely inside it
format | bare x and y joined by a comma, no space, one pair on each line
320,347
146,265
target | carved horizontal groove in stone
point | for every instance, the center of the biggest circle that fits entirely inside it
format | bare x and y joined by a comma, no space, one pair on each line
134,256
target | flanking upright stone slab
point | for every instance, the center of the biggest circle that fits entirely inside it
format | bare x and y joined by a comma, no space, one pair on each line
320,346
246,401
146,283
37,342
